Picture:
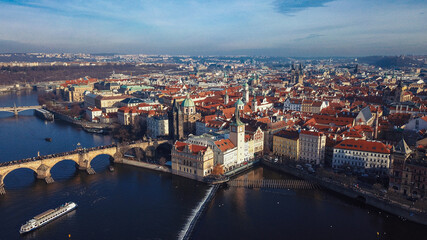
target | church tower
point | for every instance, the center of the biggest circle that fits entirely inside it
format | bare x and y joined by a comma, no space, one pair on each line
176,127
190,116
237,135
246,93
254,104
226,98
398,92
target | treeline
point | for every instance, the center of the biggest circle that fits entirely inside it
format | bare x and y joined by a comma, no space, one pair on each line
12,75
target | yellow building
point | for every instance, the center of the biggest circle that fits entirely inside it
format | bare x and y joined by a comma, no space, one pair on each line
75,93
191,160
286,144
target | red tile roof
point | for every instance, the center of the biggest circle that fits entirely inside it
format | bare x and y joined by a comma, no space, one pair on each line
363,145
195,149
224,144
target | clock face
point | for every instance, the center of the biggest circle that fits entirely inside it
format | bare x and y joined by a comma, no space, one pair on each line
240,128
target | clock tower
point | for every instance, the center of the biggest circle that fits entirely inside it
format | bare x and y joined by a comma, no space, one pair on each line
237,135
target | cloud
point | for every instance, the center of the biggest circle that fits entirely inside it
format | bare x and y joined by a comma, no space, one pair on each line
311,36
288,7
317,27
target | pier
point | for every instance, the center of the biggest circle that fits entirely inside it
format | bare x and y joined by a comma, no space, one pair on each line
273,183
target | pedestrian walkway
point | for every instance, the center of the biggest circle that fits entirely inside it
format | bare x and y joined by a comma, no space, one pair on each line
273,183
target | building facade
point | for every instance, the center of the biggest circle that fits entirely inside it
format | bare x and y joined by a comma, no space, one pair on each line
361,155
312,147
158,126
192,161
286,145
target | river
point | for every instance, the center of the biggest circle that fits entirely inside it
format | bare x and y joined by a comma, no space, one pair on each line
134,203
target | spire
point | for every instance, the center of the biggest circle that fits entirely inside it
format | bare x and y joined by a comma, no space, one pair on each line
402,147
175,106
226,98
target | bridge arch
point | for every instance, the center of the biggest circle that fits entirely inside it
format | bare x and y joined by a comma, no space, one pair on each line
60,162
4,175
111,158
162,152
22,110
138,153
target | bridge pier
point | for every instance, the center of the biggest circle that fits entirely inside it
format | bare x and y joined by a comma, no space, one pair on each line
2,191
43,172
89,170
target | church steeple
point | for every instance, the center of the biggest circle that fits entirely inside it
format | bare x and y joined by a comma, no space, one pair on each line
226,98
254,104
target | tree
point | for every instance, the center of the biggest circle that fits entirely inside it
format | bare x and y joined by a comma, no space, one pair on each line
162,161
218,170
75,110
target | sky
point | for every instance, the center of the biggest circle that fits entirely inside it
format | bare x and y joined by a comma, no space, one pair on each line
302,28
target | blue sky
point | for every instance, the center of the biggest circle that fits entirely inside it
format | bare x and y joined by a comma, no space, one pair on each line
216,27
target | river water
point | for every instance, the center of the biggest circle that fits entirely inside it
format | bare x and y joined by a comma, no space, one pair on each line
134,203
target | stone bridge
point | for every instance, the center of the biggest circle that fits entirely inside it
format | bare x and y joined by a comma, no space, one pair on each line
82,157
15,110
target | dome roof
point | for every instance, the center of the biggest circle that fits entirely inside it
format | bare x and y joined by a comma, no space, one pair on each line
188,102
239,102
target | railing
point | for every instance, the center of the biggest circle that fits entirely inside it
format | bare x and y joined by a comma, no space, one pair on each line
80,150
33,159
273,183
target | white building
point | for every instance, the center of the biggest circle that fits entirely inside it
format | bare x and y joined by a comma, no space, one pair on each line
93,114
417,124
361,154
225,152
260,106
157,126
292,105
312,147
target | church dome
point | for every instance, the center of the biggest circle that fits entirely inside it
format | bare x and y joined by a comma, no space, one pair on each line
239,103
188,102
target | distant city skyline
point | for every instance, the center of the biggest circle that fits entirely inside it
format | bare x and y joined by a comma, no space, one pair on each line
301,28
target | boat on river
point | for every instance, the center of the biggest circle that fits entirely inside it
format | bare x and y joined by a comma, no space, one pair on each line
46,217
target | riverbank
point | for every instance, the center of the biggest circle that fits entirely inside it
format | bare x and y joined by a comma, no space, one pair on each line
88,126
150,166
379,202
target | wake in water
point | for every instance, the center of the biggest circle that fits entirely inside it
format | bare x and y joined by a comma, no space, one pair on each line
193,214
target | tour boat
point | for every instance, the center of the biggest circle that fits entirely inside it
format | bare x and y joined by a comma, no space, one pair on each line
47,216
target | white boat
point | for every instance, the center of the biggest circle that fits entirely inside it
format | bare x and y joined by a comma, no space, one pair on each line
47,216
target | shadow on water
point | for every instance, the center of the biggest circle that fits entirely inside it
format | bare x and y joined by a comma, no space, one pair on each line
20,178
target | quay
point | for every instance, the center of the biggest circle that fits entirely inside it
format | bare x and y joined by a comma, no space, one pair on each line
141,164
44,114
243,168
84,124
379,202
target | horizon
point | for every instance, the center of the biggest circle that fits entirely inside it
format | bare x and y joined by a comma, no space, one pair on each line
276,28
